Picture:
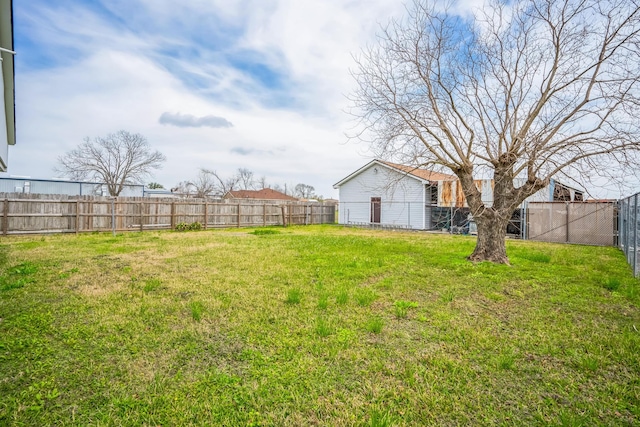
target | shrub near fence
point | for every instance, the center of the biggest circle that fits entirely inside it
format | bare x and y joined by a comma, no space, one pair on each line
34,214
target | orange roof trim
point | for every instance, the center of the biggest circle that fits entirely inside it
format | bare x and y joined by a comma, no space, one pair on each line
421,173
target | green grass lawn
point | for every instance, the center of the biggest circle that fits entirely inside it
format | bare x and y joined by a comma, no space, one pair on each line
315,325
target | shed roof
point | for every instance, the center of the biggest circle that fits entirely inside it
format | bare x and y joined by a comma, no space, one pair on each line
422,174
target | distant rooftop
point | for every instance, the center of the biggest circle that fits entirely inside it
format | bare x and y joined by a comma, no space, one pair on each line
264,194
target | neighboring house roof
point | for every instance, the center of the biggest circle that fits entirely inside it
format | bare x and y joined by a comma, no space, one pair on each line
424,175
264,194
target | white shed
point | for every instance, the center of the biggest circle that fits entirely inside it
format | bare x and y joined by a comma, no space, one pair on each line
391,194
403,196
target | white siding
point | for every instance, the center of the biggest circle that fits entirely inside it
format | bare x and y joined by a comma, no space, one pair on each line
487,192
7,116
402,198
4,130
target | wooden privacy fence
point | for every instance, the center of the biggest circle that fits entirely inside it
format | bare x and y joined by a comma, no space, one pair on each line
87,214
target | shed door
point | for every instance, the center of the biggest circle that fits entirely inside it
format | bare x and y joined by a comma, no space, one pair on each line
375,209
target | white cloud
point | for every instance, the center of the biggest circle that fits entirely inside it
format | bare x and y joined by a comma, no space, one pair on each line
189,120
154,59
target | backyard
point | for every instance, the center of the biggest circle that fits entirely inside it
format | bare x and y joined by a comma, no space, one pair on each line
316,325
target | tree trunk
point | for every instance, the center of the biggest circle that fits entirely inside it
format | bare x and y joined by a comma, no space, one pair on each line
492,233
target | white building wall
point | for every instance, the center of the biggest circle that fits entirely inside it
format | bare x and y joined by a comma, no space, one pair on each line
543,195
70,188
4,130
7,116
402,198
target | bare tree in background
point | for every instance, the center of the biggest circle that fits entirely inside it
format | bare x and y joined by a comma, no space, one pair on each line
116,160
209,182
221,184
184,188
304,191
262,183
204,185
246,180
533,89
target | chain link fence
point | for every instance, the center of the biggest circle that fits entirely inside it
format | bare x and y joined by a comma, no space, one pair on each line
583,223
629,231
606,223
417,216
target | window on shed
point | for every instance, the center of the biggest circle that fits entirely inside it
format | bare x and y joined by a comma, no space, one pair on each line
561,193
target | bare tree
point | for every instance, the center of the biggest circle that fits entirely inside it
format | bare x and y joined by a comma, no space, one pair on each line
304,191
184,188
116,160
262,183
246,180
222,185
204,185
210,182
531,89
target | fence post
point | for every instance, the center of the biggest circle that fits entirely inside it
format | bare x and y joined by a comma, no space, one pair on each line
284,222
113,216
264,214
311,214
206,215
635,235
620,224
141,215
625,226
522,222
90,217
238,215
77,216
566,207
173,215
5,217
290,213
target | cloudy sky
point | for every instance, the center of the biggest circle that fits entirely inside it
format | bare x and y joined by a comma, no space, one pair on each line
219,84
